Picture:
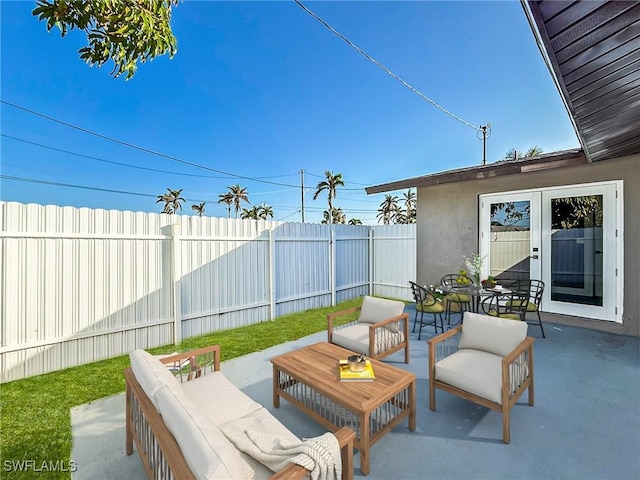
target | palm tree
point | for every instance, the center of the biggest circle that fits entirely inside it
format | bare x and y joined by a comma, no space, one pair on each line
257,212
198,208
250,213
338,217
388,210
239,194
172,201
355,221
265,211
331,185
533,151
227,199
410,207
513,154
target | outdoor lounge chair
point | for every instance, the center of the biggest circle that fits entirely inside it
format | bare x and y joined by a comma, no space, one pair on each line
381,328
486,360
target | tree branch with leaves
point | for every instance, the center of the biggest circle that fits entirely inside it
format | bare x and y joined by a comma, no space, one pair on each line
124,31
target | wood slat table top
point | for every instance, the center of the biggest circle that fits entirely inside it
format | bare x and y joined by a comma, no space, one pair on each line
317,366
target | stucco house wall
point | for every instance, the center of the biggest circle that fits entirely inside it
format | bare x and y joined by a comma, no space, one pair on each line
448,225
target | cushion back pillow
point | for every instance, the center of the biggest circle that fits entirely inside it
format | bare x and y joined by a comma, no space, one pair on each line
491,334
151,374
375,310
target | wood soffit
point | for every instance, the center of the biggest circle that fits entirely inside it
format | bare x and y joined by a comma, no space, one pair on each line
594,51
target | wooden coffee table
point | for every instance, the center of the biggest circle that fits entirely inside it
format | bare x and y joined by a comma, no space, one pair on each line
308,378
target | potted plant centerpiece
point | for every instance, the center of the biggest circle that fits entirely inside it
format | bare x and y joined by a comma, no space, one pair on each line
474,264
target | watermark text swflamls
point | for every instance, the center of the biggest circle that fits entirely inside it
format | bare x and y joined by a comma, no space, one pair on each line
39,467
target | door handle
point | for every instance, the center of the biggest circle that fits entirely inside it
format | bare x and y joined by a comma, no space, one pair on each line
535,257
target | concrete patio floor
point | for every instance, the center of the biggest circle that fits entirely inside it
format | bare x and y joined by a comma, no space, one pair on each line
585,423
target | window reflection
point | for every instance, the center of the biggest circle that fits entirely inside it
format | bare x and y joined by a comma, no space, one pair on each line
510,240
577,249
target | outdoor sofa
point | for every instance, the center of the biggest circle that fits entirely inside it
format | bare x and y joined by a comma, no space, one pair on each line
177,408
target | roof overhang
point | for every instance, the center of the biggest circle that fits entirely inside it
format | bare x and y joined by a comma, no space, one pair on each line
592,49
546,161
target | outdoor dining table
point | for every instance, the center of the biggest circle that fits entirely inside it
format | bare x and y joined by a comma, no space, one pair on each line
475,292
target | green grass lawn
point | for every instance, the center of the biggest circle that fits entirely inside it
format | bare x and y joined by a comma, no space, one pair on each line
35,421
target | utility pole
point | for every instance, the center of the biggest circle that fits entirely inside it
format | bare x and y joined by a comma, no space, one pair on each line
486,133
302,192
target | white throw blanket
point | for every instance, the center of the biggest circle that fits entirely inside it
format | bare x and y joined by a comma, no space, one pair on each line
320,455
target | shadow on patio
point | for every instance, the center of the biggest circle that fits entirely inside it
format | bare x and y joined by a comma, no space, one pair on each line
585,423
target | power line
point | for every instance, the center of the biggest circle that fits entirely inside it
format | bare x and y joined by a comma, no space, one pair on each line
287,216
142,149
128,165
146,195
255,179
381,66
108,161
70,185
346,189
346,182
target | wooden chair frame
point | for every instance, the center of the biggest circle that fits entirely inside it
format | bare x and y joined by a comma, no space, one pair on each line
375,329
513,384
159,452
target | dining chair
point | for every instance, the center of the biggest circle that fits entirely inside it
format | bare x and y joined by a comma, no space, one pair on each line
511,305
534,290
426,303
460,302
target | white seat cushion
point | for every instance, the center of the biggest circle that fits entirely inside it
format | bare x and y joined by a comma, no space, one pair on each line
219,398
474,371
209,454
356,338
491,334
151,374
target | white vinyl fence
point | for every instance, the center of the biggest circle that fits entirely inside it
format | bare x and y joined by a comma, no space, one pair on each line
510,253
81,285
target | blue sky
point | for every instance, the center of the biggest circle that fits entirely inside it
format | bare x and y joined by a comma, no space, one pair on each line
262,90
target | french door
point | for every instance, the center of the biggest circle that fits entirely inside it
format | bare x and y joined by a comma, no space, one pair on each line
510,236
569,237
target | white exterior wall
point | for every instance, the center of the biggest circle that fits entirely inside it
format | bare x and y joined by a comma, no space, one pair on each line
81,285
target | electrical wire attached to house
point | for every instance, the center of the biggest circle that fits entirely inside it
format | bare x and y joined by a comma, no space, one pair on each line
382,67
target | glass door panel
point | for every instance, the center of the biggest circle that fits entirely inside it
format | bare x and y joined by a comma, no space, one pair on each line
510,240
582,264
509,236
577,249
